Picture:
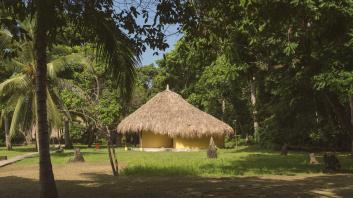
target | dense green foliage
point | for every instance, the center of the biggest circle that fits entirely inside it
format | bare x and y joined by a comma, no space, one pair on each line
295,59
298,54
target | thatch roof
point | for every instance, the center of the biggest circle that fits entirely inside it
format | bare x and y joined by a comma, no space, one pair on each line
168,113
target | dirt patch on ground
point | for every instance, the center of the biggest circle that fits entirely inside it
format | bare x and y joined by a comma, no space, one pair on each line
85,180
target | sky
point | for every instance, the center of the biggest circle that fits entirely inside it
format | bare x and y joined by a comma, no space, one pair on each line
148,57
170,30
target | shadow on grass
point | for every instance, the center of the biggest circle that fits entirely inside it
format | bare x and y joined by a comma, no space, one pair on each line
158,171
252,164
252,148
260,164
71,153
103,185
24,149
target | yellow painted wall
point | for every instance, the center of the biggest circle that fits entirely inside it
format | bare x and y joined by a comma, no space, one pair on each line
151,140
197,143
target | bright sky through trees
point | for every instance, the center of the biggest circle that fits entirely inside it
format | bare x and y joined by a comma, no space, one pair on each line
172,37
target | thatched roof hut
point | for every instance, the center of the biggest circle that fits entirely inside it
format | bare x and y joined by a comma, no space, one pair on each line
167,113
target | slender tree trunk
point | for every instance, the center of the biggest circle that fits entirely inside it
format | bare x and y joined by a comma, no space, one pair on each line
46,176
98,87
111,153
90,134
254,110
351,105
7,135
37,141
68,143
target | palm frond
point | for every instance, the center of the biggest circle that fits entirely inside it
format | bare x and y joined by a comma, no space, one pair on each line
11,101
16,116
2,116
69,85
27,115
54,115
60,105
64,64
16,84
113,48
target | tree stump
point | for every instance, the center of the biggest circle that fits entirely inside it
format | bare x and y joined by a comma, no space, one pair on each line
284,150
3,158
313,159
248,140
59,150
331,162
78,157
212,150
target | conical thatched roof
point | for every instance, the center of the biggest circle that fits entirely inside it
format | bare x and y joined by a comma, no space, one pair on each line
168,113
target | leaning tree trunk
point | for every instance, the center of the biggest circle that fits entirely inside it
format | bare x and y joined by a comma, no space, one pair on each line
254,110
7,135
68,142
46,176
90,135
112,155
351,105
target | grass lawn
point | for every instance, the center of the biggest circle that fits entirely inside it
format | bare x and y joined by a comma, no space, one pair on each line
245,161
184,174
17,150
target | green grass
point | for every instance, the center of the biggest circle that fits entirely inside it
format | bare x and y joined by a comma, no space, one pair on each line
247,161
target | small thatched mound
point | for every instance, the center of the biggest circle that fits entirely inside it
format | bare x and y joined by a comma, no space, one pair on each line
168,113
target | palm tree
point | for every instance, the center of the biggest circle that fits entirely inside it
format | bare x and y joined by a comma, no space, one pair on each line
113,46
95,22
5,119
18,93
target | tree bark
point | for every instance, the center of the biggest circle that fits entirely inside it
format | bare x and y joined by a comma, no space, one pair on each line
351,105
90,135
7,135
37,141
111,153
254,110
68,142
46,176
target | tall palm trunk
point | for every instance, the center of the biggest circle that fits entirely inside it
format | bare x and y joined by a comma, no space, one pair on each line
68,142
46,176
351,105
7,130
254,110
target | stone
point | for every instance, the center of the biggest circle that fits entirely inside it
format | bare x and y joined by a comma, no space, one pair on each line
331,162
78,157
212,150
313,159
284,150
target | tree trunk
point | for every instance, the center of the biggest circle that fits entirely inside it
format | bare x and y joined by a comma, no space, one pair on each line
68,143
37,141
111,160
254,110
351,105
90,135
111,153
7,135
46,176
